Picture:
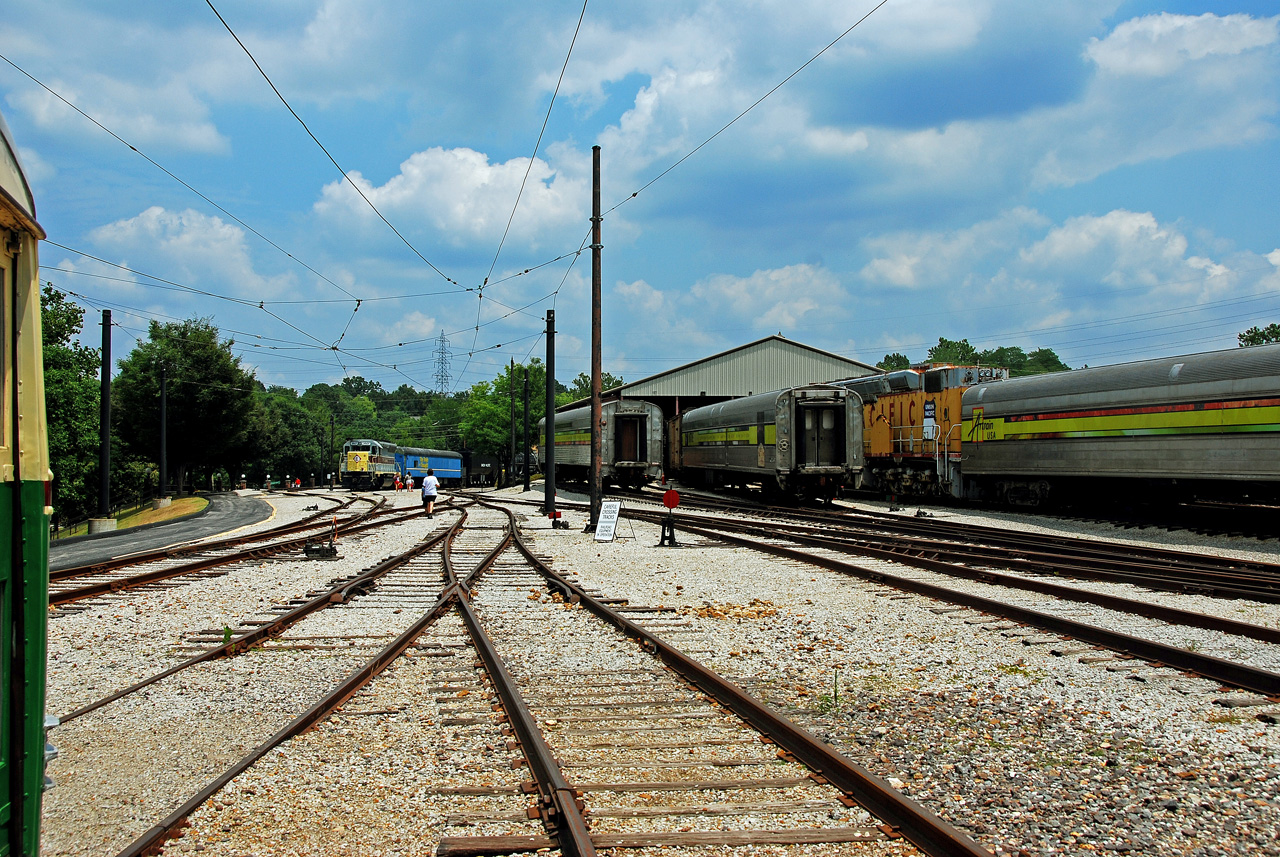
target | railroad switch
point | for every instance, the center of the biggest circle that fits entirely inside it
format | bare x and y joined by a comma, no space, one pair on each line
668,533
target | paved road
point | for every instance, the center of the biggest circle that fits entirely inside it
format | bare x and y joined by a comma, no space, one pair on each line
226,512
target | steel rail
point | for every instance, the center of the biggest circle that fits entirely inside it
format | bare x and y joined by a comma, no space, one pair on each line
1210,575
951,568
340,593
1155,568
1085,547
931,527
151,841
558,801
93,590
1219,669
912,820
143,557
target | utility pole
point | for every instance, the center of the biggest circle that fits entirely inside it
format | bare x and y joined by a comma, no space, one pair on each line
549,439
511,388
164,433
597,485
332,461
104,421
527,468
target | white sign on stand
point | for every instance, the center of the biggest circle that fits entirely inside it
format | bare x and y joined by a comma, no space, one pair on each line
607,525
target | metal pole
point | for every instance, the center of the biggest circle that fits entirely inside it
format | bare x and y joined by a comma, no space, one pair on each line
528,471
549,439
164,433
104,418
332,461
597,485
511,388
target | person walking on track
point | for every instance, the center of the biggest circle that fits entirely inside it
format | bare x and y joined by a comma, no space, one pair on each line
429,486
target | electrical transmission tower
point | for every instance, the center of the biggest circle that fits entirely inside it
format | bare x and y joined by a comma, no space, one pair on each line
442,363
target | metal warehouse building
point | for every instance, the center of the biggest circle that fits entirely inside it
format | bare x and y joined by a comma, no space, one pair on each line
772,363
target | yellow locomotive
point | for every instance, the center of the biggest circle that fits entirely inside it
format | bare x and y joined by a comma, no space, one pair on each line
911,426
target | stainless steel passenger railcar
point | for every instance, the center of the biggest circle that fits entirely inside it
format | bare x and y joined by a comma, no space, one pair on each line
1200,424
631,442
803,440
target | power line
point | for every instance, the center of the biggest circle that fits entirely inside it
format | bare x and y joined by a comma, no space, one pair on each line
332,160
168,173
753,106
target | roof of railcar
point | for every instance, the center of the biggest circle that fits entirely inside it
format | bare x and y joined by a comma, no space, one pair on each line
1207,366
13,183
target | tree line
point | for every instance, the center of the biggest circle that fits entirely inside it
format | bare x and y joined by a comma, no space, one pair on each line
960,352
223,423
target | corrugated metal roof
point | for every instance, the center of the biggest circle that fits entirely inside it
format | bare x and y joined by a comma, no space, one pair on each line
773,363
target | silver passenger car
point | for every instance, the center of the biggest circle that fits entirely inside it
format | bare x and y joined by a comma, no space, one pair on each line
802,440
631,444
1200,423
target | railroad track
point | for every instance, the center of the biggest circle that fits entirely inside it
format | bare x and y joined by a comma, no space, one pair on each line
828,545
314,522
212,560
1059,556
1040,614
207,712
748,764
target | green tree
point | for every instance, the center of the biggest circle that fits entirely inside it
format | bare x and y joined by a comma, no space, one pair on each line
893,362
484,418
581,386
288,437
72,400
1045,360
210,398
1259,335
952,351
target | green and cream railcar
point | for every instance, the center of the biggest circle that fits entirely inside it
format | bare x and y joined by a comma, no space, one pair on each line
805,441
630,443
25,497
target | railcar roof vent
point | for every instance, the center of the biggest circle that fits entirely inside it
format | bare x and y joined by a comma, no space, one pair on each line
1176,371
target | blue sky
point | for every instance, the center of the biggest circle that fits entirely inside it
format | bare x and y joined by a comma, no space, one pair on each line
1096,177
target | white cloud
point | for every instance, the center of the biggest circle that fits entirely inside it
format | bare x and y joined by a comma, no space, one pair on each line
191,248
464,197
36,168
1159,45
779,298
168,115
915,259
642,299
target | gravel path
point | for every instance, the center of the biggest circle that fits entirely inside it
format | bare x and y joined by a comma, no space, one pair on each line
1029,752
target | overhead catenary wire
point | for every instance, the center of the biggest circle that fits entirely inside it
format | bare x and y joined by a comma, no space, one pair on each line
179,180
327,154
520,193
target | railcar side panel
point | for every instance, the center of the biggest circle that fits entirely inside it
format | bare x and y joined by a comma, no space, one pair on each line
25,481
801,440
413,461
1211,417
